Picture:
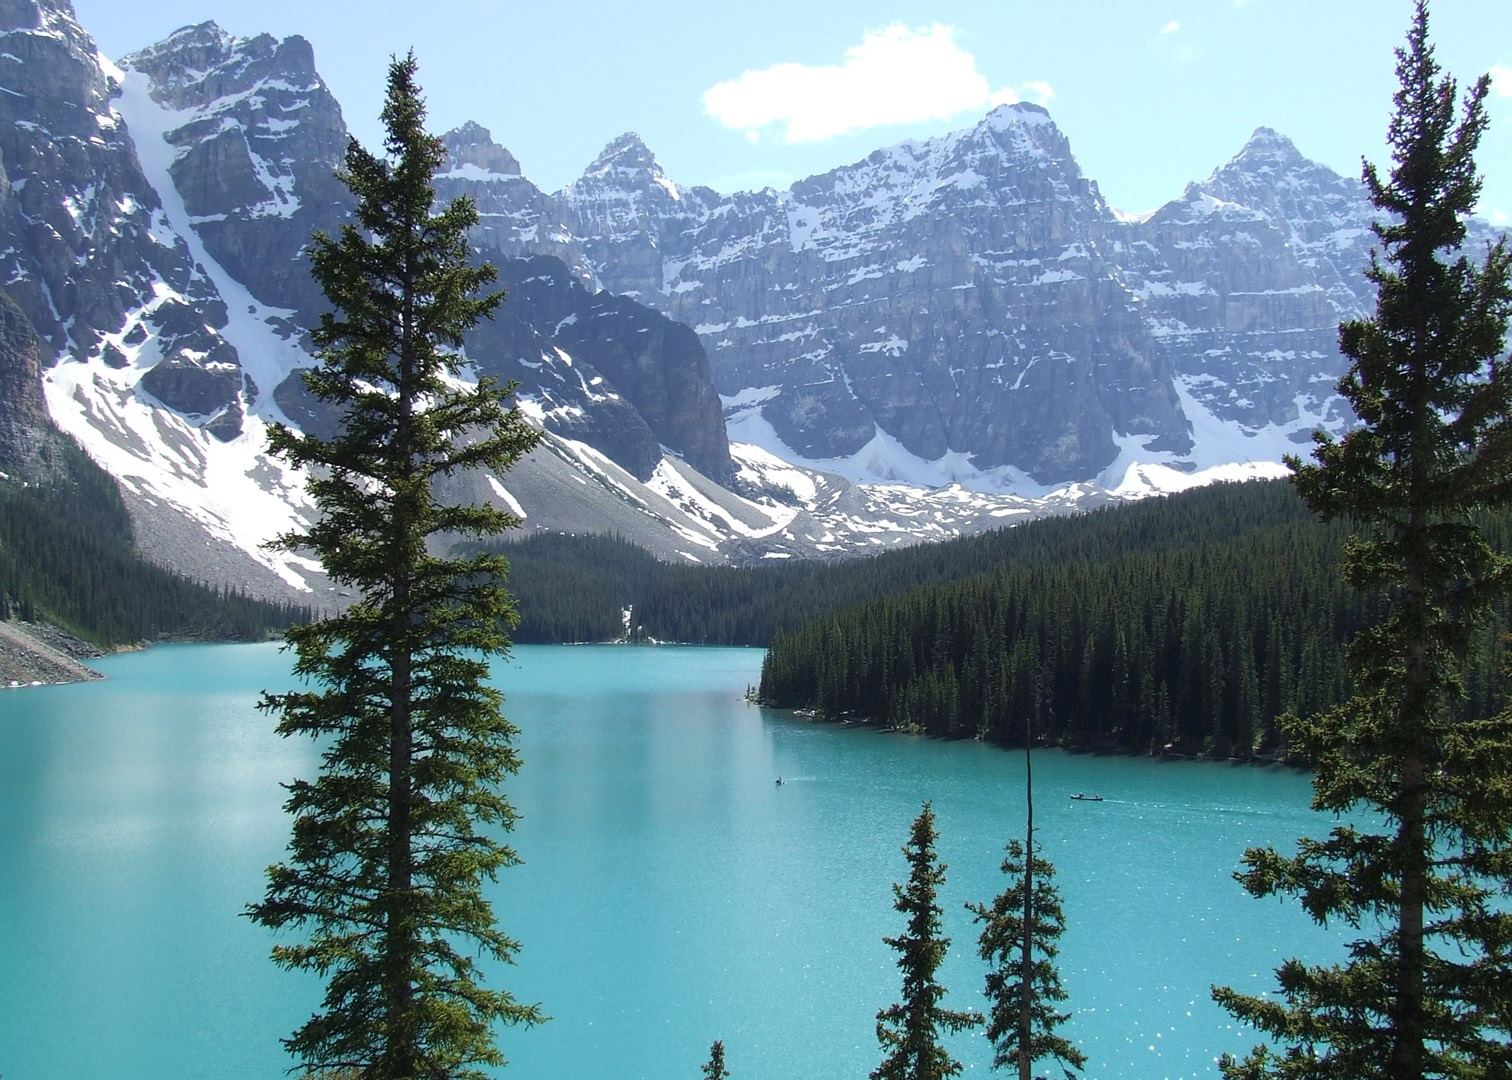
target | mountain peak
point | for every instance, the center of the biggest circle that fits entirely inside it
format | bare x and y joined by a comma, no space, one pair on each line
189,48
206,32
1023,130
1269,145
1019,113
628,152
473,144
628,163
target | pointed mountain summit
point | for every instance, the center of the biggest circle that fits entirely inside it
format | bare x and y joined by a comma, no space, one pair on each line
472,147
1269,145
1270,174
627,154
625,186
622,208
188,51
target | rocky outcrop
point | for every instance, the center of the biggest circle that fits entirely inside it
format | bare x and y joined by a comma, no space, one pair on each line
603,370
1244,280
515,218
258,137
83,242
36,654
29,450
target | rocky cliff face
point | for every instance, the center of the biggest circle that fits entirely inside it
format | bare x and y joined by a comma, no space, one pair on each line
255,138
958,296
28,440
1244,280
969,308
88,253
516,218
155,219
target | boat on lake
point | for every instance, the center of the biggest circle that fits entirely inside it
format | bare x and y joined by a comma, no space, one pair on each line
1085,796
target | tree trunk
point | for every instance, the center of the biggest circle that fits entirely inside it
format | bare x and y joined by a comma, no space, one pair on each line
398,948
1026,962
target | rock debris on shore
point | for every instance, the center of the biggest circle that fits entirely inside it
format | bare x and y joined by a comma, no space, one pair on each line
35,654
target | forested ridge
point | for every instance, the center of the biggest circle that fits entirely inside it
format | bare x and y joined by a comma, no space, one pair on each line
67,557
1184,624
574,588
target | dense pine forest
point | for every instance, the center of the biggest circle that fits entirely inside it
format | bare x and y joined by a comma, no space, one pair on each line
66,556
575,588
1180,625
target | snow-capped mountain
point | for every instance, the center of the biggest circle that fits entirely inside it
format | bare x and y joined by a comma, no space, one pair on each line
155,215
947,335
953,296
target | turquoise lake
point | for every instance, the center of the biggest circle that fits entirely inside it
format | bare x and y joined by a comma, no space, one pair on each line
671,893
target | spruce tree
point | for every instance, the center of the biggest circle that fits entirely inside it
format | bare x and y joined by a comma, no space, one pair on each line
1023,984
1018,938
1423,878
394,837
909,1032
714,1068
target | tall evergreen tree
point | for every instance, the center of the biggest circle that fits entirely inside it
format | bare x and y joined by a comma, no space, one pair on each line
714,1068
393,839
909,1031
1019,934
1425,990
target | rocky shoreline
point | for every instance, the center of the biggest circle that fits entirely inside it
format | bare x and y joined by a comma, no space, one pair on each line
39,654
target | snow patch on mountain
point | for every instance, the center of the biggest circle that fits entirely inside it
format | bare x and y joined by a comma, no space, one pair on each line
232,488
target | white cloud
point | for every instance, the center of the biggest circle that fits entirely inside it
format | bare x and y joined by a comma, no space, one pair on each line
1500,217
1501,81
1173,46
1039,90
896,75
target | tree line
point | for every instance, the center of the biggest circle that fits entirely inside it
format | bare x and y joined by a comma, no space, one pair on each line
67,557
1184,625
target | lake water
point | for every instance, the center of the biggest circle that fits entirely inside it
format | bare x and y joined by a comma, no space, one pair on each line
672,894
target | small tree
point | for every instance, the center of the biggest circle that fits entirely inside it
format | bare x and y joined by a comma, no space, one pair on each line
714,1068
909,1031
1425,992
393,839
1023,983
1018,939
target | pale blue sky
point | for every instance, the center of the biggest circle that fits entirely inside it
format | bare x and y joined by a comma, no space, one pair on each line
1151,93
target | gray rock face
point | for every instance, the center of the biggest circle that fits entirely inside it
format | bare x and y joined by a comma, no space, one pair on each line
1244,280
254,166
27,436
604,370
960,294
974,294
83,242
516,219
258,138
968,301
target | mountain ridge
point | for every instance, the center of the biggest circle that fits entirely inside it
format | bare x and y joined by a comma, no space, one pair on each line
945,335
